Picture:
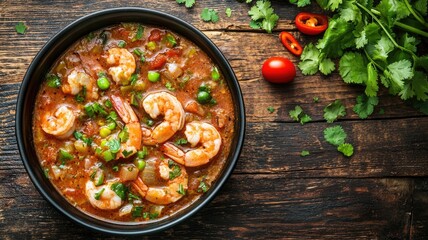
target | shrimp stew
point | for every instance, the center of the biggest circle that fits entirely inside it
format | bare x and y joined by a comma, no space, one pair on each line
133,123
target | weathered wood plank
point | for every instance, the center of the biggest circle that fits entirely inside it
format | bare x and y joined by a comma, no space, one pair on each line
419,228
249,207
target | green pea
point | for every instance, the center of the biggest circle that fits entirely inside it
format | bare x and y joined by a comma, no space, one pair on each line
203,97
108,155
140,163
104,132
153,76
103,83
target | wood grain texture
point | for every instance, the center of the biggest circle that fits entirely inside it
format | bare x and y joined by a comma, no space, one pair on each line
249,207
379,193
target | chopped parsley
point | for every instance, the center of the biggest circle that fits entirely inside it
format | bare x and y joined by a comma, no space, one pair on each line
97,195
81,96
121,44
181,141
335,135
175,170
139,33
119,189
203,187
365,105
137,212
113,145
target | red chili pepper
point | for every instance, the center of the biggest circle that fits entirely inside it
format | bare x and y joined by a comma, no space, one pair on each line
311,23
290,43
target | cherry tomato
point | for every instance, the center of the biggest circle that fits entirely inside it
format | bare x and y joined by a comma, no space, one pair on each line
311,23
278,70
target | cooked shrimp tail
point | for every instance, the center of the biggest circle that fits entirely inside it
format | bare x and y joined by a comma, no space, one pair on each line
197,133
132,126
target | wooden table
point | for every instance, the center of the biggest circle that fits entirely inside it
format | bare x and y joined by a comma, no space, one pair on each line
379,193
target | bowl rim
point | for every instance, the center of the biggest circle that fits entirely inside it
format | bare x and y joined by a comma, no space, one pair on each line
193,207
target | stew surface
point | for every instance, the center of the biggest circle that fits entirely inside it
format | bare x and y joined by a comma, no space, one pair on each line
133,123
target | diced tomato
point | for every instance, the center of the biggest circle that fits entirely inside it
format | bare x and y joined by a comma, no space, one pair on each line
155,35
174,52
123,33
158,62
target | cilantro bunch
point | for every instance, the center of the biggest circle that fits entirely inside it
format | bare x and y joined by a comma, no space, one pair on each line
376,44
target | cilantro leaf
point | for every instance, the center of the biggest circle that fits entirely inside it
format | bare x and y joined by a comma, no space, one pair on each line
309,61
326,66
21,28
337,37
305,119
264,15
187,3
294,114
329,4
255,25
53,81
365,106
346,148
304,153
353,68
421,7
228,12
209,15
119,189
335,135
303,3
333,111
271,109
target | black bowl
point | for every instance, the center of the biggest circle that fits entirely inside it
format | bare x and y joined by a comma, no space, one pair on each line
41,65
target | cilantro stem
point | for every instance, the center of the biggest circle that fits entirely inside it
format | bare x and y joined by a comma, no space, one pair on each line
372,61
385,30
417,16
411,29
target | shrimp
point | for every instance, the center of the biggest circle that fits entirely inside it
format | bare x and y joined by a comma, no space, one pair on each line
61,123
124,65
163,103
196,132
132,126
76,81
108,199
172,191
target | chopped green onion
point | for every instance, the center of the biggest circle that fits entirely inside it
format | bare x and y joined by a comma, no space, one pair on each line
53,81
64,155
181,189
124,135
121,44
181,141
108,155
171,39
133,78
203,187
215,75
111,126
80,97
137,212
153,76
143,153
138,52
99,178
139,33
133,197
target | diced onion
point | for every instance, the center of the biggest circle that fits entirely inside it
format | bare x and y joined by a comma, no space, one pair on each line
128,172
148,175
125,210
